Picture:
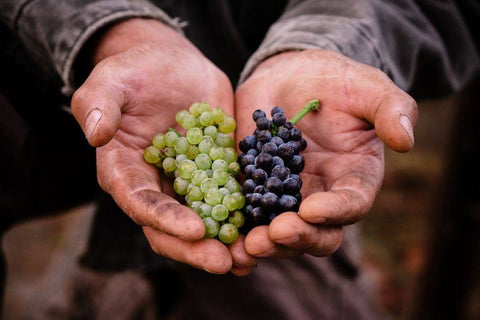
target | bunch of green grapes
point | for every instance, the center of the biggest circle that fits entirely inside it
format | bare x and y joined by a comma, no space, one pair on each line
204,165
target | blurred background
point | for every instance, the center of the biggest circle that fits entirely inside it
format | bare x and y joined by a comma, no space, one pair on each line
418,253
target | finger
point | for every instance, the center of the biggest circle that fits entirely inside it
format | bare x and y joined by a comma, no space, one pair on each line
292,231
241,258
394,118
96,106
335,207
344,190
241,272
259,244
207,254
135,186
392,111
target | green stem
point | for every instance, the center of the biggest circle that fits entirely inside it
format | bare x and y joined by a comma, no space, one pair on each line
311,105
173,130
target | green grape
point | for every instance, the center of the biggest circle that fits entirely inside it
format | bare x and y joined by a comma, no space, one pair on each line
219,165
228,125
229,155
224,191
180,186
188,201
228,233
213,197
175,173
204,146
192,152
204,107
209,139
210,131
230,202
158,164
211,227
169,152
190,186
195,194
232,185
194,135
195,205
208,184
234,168
181,115
216,153
186,168
240,199
151,154
170,138
206,118
219,212
238,219
188,122
209,171
203,161
218,115
224,140
195,109
198,176
180,157
169,164
220,176
159,141
205,210
198,124
181,145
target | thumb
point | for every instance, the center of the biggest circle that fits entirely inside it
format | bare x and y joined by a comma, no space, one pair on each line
97,108
394,117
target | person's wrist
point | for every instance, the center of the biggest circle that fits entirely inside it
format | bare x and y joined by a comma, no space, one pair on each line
133,33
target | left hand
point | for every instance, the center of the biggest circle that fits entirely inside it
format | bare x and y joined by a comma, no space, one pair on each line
359,108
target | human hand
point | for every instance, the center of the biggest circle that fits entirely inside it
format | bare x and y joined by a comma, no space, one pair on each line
144,73
344,162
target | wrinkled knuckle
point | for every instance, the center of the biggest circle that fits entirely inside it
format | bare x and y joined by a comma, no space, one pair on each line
78,100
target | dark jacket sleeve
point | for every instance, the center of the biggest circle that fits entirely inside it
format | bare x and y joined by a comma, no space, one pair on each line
54,31
424,46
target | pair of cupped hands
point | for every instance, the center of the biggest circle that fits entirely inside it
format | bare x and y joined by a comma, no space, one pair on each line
145,72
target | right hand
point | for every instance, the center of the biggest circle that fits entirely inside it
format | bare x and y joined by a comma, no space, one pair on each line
144,73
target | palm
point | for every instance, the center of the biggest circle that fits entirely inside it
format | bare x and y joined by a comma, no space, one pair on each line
153,99
344,159
341,147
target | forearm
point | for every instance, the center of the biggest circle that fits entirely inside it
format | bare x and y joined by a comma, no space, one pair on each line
407,41
55,31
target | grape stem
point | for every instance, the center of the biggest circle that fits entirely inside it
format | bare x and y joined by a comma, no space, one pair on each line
310,106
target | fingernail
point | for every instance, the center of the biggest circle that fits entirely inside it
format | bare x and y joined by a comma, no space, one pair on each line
92,121
290,240
407,125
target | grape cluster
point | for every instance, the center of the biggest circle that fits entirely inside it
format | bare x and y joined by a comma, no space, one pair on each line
203,163
271,163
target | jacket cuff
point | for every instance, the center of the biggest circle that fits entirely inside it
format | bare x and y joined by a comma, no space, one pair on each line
351,39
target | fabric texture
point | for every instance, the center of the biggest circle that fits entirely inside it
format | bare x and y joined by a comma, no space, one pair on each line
424,46
55,31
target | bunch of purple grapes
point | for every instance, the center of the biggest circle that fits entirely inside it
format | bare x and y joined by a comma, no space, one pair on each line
271,163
